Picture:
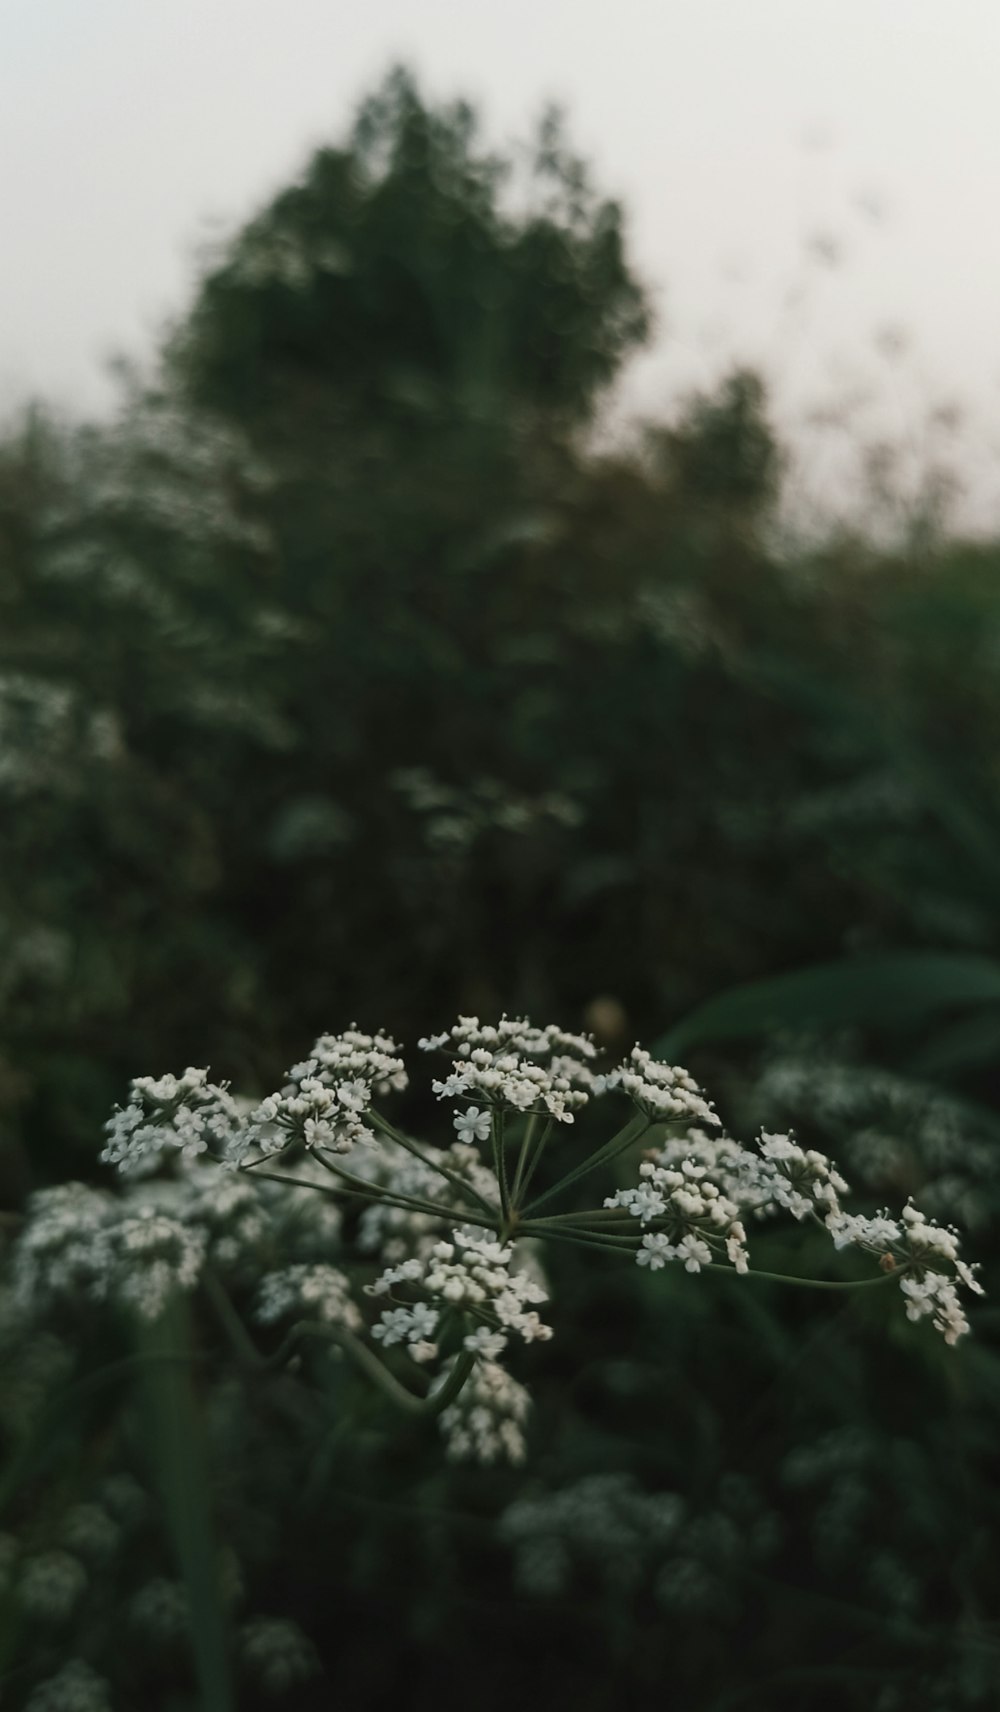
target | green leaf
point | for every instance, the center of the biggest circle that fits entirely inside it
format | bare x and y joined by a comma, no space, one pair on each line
961,1045
888,990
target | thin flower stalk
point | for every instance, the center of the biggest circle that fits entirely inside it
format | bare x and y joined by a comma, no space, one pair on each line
626,1137
537,1130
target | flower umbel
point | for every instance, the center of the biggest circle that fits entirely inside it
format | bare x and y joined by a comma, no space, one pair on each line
455,1227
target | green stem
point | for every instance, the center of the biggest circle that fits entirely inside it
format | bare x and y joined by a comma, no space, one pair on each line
369,1192
530,1126
588,1239
411,1146
625,1137
398,1197
497,1117
606,1215
387,1383
439,1400
246,1351
528,1163
363,1358
810,1283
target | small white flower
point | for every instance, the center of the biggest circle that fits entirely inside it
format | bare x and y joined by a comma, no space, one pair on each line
472,1125
354,1095
485,1342
694,1253
485,1423
451,1086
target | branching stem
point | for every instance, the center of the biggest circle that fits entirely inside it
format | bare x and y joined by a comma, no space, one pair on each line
457,1182
626,1137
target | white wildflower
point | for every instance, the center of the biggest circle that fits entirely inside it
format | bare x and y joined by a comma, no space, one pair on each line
879,1235
90,1532
161,1610
146,1257
51,1584
187,1114
485,1342
472,1125
471,1273
516,1065
693,1253
926,1257
693,1214
328,1095
58,1254
414,1325
798,1180
485,1423
655,1250
277,1654
663,1092
316,1292
75,1688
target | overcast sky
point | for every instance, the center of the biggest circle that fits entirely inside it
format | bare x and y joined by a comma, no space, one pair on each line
811,183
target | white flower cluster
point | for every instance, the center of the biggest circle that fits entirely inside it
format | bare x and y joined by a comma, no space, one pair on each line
89,1532
663,1092
472,1292
780,1176
75,1688
232,1211
161,1611
58,1251
413,1325
694,1212
697,1189
517,1066
915,1246
79,1242
322,1105
147,1257
276,1654
328,1094
893,1129
50,1585
604,1520
320,1292
187,1113
485,1423
635,1544
473,1274
725,1160
792,1179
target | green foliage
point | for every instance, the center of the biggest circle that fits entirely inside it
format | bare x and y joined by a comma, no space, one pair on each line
891,990
394,278
723,454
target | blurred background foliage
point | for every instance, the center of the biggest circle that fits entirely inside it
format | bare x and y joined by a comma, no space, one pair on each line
346,674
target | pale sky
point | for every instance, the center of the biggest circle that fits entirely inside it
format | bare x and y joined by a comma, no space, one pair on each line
811,184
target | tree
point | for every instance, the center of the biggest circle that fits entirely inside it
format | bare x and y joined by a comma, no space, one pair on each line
400,275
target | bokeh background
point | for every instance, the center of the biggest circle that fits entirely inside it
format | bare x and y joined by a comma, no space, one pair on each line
453,601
